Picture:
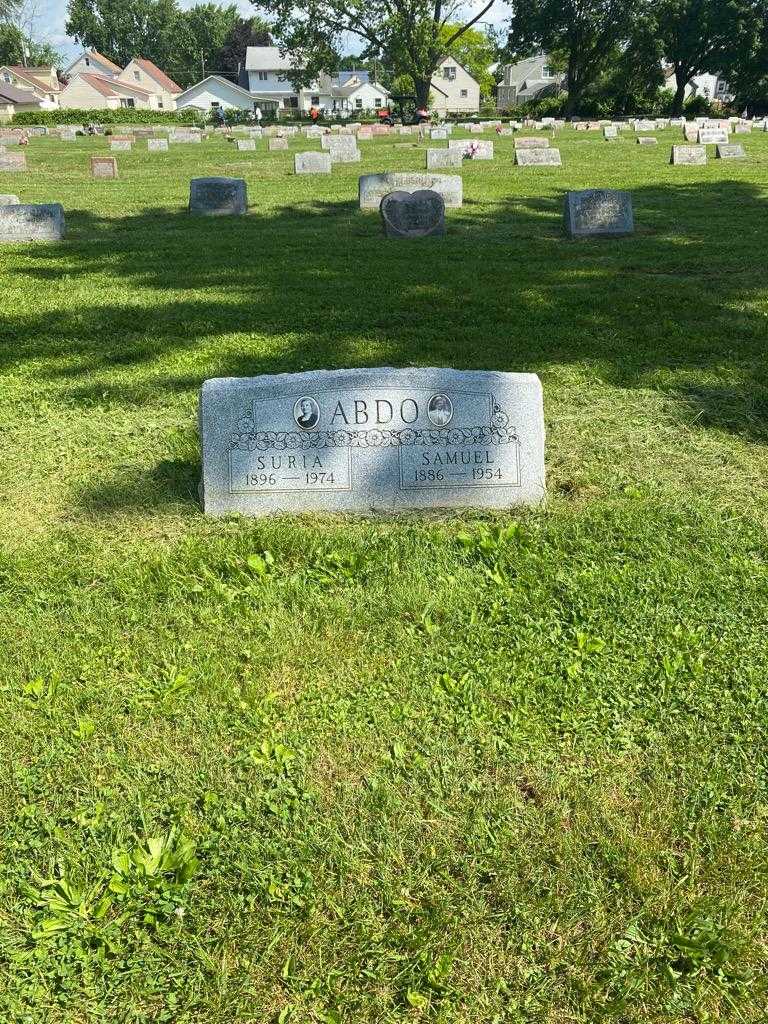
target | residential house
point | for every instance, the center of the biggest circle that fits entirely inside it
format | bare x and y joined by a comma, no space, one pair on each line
147,76
95,92
215,92
351,91
453,89
710,86
43,83
267,75
91,62
16,101
526,80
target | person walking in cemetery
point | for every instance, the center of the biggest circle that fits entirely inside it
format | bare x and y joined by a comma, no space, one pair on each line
314,113
259,115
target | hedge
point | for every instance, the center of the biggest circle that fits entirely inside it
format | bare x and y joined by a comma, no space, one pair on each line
124,115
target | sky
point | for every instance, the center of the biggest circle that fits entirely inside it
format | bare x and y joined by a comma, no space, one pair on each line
52,16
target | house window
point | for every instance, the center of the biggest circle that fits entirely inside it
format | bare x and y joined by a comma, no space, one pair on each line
263,76
449,74
87,62
7,77
159,104
546,71
722,86
127,103
314,101
359,104
378,102
291,101
463,94
137,76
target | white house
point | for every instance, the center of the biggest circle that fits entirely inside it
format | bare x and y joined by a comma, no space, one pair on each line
94,92
215,92
351,91
267,77
267,74
527,80
43,83
710,86
147,76
454,90
91,62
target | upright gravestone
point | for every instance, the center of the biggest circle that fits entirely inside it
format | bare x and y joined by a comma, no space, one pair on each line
157,145
538,158
246,145
598,211
277,144
712,136
729,152
8,200
531,142
120,146
439,159
437,134
13,161
413,214
689,156
103,167
343,149
371,440
477,149
312,162
218,197
32,223
373,187
610,131
647,140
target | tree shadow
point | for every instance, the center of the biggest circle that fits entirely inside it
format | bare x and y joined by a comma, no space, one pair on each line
174,299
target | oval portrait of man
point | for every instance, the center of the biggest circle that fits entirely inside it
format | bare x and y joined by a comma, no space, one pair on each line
306,412
440,410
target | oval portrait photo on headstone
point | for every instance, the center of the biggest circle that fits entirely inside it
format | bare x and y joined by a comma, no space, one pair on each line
440,410
306,412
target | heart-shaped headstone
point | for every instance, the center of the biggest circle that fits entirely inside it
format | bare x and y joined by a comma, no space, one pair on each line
413,214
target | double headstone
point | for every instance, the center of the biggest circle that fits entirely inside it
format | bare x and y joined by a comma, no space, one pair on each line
538,158
103,167
373,187
246,145
342,149
438,159
277,144
477,149
21,222
531,142
312,163
691,156
371,439
729,152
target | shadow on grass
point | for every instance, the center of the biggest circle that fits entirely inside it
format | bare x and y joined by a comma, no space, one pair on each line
174,299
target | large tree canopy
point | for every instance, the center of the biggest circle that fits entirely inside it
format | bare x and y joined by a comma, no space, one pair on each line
123,29
587,33
407,35
13,43
199,39
243,33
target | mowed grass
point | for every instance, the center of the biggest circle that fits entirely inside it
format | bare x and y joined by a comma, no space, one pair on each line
451,768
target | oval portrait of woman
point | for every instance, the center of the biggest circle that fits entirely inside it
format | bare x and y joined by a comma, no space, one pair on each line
306,412
440,410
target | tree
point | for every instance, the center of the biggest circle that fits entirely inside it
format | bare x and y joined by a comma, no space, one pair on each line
587,32
7,9
123,29
13,42
200,37
698,36
407,35
746,65
244,33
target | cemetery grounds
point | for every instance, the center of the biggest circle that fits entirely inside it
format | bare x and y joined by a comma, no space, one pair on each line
455,768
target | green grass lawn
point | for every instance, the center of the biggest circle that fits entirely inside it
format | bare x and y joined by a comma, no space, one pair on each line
452,768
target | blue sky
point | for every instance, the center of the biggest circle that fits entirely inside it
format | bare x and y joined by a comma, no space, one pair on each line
52,16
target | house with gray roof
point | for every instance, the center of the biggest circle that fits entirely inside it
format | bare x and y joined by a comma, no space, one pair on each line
526,80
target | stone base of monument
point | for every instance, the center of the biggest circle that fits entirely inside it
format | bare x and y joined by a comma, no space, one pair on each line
218,197
32,223
369,440
598,211
413,214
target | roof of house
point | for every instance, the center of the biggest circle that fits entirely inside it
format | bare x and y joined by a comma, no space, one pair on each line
13,95
267,58
350,87
101,59
31,75
159,76
110,86
218,78
457,64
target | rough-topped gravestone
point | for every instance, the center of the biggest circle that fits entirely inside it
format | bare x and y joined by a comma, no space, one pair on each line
13,161
277,144
712,136
647,140
531,142
9,200
690,156
312,162
32,223
437,159
103,167
157,145
731,151
371,440
413,214
373,187
538,158
246,145
218,197
598,211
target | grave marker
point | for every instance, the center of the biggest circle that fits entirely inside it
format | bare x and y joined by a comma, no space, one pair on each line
312,163
13,161
104,167
373,187
538,158
23,222
597,211
218,197
729,152
277,144
689,156
437,159
418,214
246,145
371,439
